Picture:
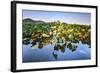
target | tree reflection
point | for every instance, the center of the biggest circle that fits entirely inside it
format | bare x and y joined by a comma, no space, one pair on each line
55,55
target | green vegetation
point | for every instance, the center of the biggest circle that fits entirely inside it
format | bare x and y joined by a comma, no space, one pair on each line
56,33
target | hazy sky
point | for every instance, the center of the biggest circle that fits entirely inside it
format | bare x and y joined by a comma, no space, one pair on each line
50,16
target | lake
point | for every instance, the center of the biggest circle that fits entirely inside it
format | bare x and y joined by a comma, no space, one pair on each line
48,53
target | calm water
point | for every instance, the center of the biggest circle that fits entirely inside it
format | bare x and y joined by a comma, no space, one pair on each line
47,53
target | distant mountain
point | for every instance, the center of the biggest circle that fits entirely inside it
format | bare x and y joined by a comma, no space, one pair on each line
30,21
27,20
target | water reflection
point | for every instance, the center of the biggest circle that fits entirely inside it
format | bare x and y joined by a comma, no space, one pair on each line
57,50
55,55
